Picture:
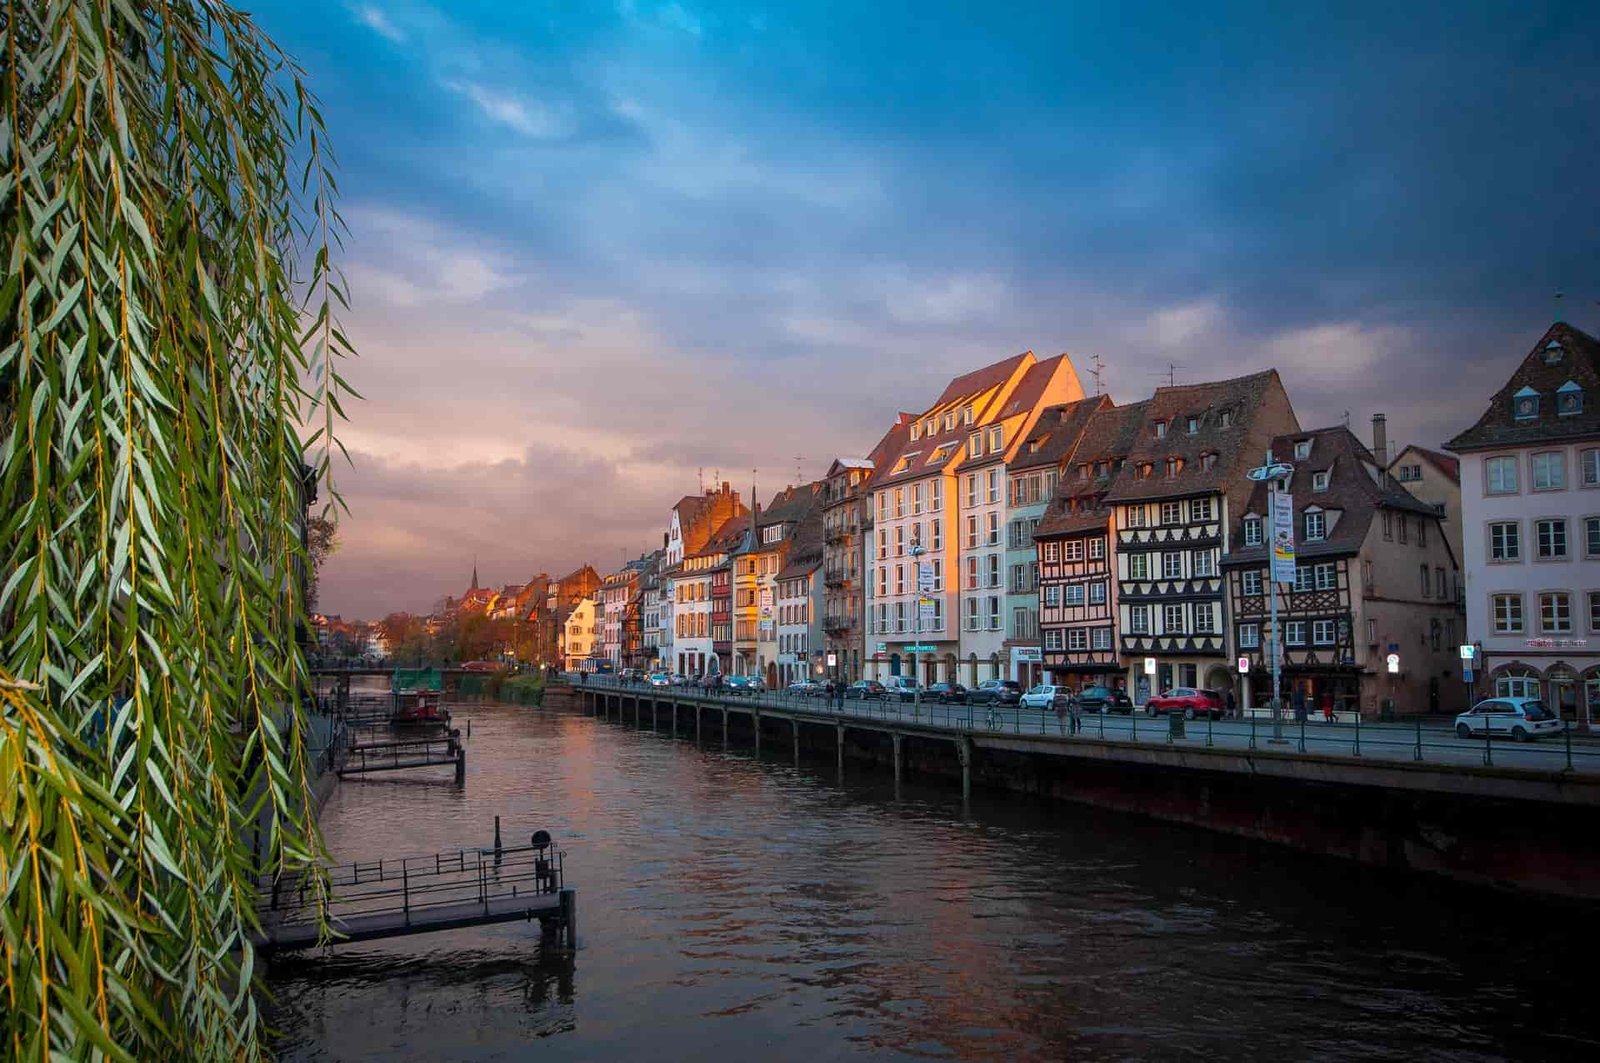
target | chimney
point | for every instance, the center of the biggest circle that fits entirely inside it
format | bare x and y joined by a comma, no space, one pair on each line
1380,438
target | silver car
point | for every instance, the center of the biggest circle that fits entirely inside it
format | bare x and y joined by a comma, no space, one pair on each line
1523,719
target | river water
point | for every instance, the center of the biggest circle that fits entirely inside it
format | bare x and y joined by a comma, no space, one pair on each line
733,909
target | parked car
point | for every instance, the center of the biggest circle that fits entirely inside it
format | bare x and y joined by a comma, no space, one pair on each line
865,689
679,680
741,684
804,688
1045,696
903,687
1105,699
1523,719
996,692
946,694
713,681
1190,701
631,675
660,679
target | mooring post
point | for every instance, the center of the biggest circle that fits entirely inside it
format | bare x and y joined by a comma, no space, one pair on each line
840,728
674,719
499,850
897,762
755,720
569,916
964,750
655,719
697,725
724,727
461,764
796,725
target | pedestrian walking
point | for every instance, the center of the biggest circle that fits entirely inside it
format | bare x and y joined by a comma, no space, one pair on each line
1075,710
1327,707
1232,703
1299,702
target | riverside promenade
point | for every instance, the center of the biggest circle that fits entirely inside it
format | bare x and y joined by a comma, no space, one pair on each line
1404,795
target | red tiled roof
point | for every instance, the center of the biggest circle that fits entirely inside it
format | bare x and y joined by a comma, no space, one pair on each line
1079,505
1058,432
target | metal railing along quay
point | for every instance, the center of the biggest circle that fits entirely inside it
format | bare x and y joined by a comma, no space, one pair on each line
1412,742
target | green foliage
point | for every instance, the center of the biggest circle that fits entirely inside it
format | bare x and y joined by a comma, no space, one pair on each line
168,358
522,690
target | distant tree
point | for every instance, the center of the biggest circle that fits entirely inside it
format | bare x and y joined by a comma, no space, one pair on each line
322,539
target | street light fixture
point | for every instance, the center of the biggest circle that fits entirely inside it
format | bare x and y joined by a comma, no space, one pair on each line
1273,473
916,680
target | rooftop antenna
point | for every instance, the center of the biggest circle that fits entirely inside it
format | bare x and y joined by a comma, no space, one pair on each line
700,473
799,477
1172,374
1099,368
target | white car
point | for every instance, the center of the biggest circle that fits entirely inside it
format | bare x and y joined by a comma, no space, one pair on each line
660,679
1523,719
1045,696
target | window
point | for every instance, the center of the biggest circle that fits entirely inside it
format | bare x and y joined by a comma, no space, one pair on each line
1077,639
972,489
883,542
1172,513
1372,631
899,616
1252,531
1294,633
936,529
1203,564
938,574
1172,565
883,582
1204,618
1102,638
1174,467
1316,524
1589,463
1097,549
997,436
1249,636
1319,481
1388,525
936,495
971,607
1327,576
1250,582
916,499
994,613
1594,611
1052,596
1422,532
1426,583
1138,566
1549,471
1052,552
1171,619
975,445
1322,632
972,530
1569,399
994,485
1052,638
1500,476
1208,460
1409,473
1135,516
916,432
1525,404
1405,527
1075,594
900,540
1551,536
949,420
1438,581
1591,536
994,528
1194,425
1072,550
1139,619
1225,419
899,579
994,570
1302,450
1507,610
1161,429
1555,613
1305,578
1097,594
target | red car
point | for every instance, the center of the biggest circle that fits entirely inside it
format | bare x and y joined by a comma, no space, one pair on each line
1189,701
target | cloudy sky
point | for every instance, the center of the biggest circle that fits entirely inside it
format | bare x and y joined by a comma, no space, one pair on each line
597,248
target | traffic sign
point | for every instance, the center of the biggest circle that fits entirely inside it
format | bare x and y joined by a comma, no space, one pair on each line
1394,664
1244,666
1466,674
833,660
883,647
1468,651
1149,666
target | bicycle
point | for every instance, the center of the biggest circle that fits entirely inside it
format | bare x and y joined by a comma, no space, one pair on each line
994,719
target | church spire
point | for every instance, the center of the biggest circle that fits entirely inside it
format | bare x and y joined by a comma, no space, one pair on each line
474,573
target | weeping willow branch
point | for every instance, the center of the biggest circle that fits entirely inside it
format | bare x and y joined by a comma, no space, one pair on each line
169,344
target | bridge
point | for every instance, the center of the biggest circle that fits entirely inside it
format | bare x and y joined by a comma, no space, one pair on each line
419,895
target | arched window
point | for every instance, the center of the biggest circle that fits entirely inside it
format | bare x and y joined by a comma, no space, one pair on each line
1516,681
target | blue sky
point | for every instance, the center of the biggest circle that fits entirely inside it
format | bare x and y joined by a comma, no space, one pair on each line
596,248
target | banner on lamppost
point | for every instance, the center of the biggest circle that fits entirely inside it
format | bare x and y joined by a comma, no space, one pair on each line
924,577
925,610
1281,520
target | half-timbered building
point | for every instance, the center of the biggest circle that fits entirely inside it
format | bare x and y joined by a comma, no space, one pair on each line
1182,482
1076,559
1374,576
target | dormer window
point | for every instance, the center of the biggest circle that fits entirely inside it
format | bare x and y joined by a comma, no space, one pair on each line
1208,460
928,426
1194,425
966,415
916,432
1302,450
1174,467
949,420
1319,481
1083,471
1145,470
1033,446
975,445
1569,399
997,439
1525,404
1316,526
1161,429
1102,469
1554,353
1225,419
1252,531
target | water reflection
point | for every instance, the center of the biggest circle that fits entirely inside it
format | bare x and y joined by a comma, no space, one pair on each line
752,910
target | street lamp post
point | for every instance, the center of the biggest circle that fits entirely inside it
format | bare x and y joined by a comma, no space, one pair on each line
916,688
1273,473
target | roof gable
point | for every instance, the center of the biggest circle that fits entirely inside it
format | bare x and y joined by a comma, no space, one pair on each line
1563,355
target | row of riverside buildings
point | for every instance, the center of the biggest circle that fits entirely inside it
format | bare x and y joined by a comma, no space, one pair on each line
1018,529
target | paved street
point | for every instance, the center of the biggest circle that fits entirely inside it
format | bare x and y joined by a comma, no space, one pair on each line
1433,743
